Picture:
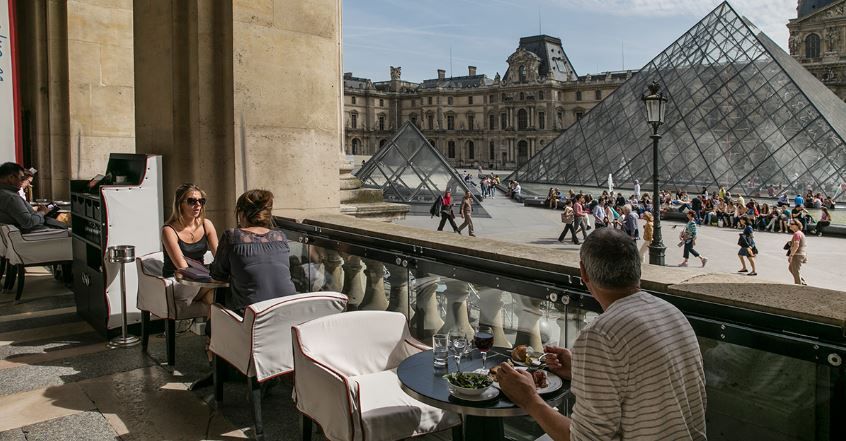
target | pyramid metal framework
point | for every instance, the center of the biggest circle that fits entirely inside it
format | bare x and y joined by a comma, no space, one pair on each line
410,170
741,113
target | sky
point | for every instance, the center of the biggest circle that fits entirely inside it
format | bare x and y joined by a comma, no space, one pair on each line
598,35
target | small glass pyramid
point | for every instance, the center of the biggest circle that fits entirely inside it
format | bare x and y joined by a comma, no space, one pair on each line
409,170
741,113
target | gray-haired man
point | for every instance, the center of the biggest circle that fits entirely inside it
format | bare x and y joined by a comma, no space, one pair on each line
636,370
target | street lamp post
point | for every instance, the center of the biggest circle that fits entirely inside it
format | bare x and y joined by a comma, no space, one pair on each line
655,109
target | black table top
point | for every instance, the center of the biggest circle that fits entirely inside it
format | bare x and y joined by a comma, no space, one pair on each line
422,382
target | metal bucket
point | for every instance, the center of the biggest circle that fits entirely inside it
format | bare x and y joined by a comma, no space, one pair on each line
121,254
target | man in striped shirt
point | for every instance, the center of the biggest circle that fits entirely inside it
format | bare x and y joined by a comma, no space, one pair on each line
636,370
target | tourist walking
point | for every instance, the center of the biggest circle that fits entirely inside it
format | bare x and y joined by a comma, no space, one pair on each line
796,255
446,212
465,212
581,216
630,222
637,188
688,240
748,250
568,217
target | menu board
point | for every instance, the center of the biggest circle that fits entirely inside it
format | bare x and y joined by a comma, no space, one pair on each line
9,102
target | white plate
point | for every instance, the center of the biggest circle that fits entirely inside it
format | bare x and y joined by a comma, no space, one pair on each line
489,394
553,382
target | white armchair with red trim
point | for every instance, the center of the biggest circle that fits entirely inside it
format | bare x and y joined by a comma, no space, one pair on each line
259,343
346,379
47,246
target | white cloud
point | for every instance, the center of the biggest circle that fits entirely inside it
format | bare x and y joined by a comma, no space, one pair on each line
770,16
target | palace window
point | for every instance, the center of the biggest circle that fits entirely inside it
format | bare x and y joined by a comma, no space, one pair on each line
354,120
431,121
541,120
578,95
491,151
355,146
414,118
503,97
522,119
522,96
560,95
812,46
449,100
491,98
540,94
471,122
381,122
469,100
471,150
598,95
503,119
522,72
430,101
451,149
353,100
381,102
450,122
491,121
579,116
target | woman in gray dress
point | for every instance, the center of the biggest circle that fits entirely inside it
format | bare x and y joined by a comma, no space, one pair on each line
253,258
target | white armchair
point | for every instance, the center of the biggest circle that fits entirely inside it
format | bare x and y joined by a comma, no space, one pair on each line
42,247
164,298
259,343
346,379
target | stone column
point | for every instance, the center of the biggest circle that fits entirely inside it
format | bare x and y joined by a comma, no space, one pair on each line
456,311
242,94
490,313
374,291
427,318
528,315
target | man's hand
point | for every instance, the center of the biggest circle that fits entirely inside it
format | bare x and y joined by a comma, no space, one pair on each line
561,363
518,386
42,209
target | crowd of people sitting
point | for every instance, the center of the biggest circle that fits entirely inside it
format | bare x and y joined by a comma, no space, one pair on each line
719,208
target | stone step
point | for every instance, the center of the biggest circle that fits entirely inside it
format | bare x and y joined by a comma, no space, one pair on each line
350,183
379,211
361,195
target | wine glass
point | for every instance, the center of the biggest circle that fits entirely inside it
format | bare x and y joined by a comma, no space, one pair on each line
457,343
484,342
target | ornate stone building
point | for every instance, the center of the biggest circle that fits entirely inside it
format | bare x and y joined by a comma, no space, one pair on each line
817,41
475,119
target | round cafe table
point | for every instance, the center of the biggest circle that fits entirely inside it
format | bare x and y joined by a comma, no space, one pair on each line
483,420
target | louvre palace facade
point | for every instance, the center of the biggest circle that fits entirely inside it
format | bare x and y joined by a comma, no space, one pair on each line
818,41
500,121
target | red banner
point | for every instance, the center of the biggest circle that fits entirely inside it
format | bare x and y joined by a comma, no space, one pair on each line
10,120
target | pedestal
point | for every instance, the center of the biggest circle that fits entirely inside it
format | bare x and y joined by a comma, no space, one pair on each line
528,315
374,291
490,313
456,310
427,319
398,279
334,272
353,281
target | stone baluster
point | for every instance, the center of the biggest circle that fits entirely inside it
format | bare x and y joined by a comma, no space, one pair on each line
528,314
490,313
374,291
332,262
398,279
427,319
353,281
570,322
456,310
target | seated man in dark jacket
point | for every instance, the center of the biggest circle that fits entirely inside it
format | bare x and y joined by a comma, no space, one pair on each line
14,210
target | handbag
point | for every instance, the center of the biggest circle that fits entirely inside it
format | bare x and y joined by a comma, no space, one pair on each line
787,246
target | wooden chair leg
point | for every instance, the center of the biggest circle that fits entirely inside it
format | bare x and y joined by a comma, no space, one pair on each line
255,400
21,277
145,330
219,372
308,428
171,342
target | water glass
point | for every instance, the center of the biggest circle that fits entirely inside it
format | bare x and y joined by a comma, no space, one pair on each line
440,349
457,344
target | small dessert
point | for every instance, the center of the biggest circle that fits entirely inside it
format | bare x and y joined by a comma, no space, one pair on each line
520,353
540,379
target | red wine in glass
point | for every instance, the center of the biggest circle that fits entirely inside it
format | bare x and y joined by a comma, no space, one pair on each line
484,342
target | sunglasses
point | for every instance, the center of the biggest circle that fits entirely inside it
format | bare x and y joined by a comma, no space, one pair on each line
194,201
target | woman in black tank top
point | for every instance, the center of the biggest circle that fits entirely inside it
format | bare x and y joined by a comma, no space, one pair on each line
188,234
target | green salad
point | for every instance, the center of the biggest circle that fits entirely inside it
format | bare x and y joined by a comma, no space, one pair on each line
468,380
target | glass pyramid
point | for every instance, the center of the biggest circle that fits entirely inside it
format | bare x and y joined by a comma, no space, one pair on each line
409,170
741,113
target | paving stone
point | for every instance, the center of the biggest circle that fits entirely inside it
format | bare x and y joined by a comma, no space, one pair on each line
90,426
12,435
38,322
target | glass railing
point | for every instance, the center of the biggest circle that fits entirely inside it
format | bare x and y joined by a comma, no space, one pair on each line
768,377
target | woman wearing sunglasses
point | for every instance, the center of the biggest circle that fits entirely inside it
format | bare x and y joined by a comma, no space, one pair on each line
188,234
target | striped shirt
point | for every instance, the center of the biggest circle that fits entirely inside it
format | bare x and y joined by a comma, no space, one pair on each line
637,375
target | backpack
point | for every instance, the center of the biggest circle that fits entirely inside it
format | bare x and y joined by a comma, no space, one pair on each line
436,207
